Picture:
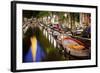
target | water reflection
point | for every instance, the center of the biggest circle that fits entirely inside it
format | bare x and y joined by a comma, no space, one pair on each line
39,47
34,52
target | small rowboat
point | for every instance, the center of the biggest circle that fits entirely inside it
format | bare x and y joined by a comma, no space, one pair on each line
75,47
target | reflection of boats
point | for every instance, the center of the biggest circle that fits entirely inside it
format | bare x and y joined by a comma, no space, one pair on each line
74,47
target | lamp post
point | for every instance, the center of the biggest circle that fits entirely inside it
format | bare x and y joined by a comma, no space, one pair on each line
65,18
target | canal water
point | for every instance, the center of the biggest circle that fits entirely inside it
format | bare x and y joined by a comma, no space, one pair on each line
44,50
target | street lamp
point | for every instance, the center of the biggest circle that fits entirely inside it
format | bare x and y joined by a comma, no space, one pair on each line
65,18
65,14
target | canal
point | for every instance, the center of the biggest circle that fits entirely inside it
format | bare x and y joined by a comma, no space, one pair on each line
44,50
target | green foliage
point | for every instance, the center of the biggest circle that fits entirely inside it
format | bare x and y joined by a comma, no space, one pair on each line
43,13
77,17
61,16
74,16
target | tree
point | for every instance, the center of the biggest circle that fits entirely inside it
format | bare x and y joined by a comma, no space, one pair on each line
74,18
43,14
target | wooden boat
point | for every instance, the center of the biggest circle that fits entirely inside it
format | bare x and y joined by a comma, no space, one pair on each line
74,47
